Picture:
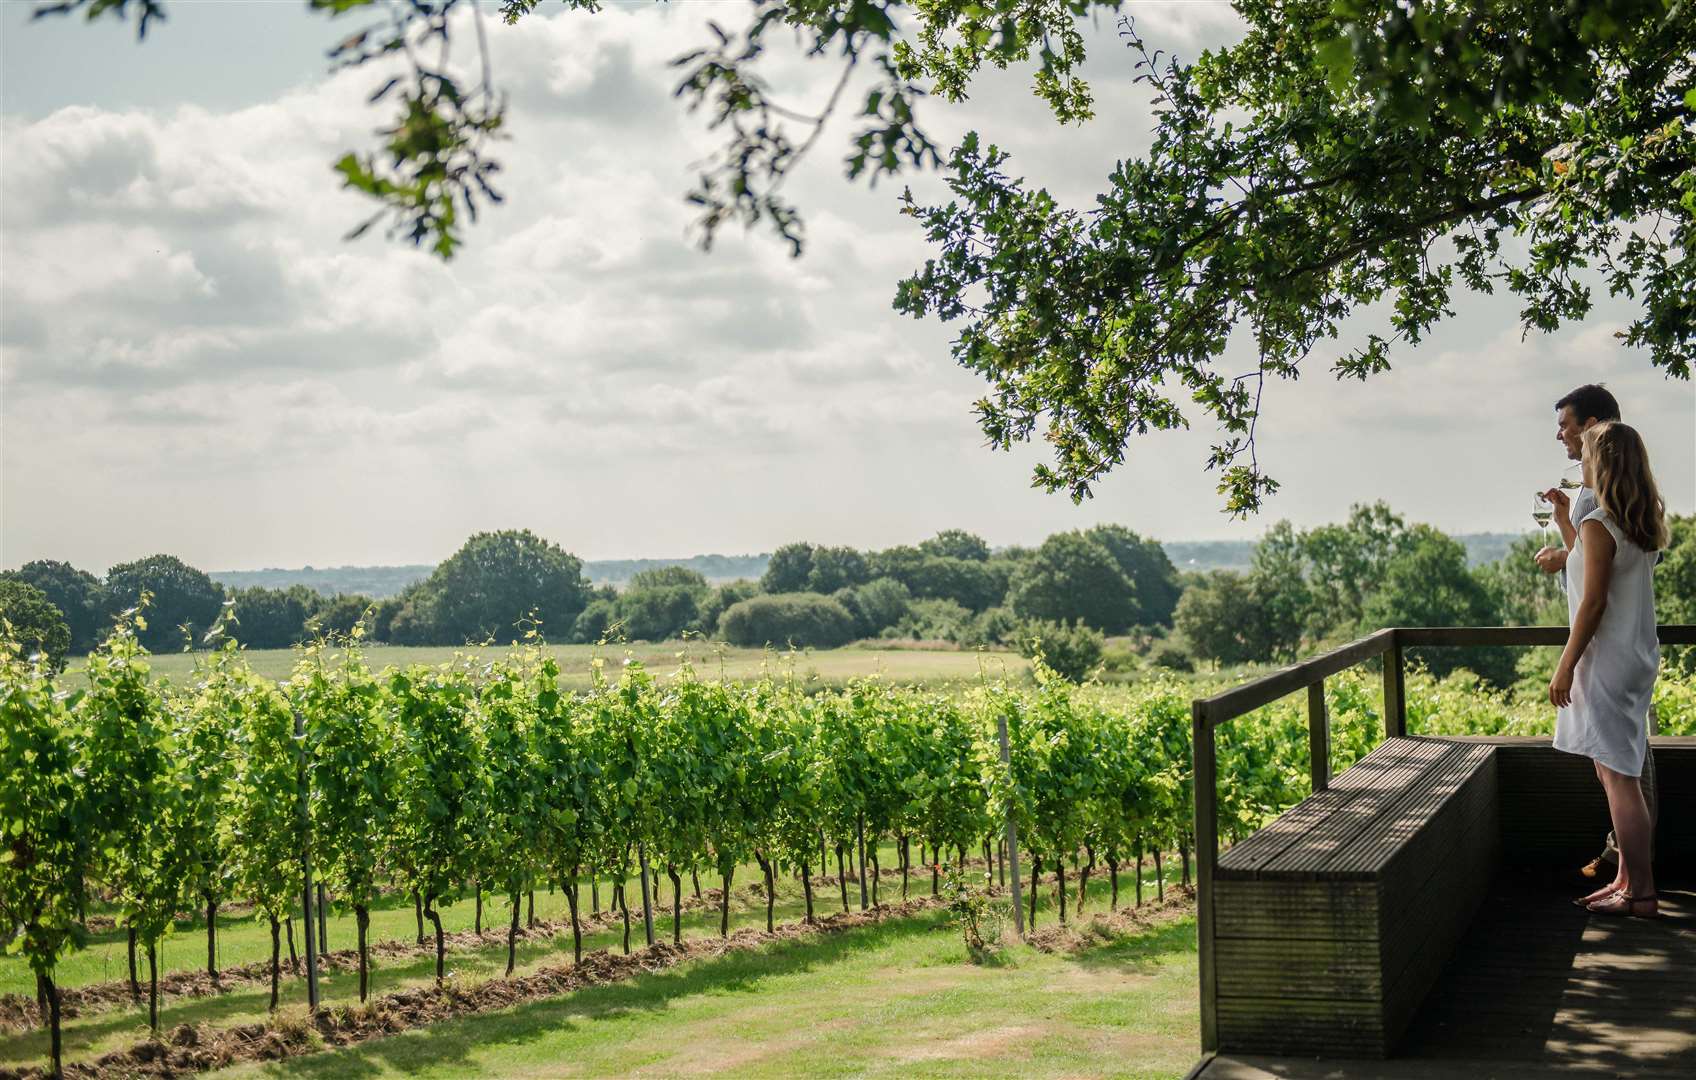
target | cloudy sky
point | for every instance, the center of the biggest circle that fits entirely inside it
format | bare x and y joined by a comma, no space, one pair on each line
196,362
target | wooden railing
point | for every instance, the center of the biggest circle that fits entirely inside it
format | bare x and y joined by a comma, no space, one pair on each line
1209,714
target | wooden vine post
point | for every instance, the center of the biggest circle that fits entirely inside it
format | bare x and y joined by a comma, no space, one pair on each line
1012,827
306,866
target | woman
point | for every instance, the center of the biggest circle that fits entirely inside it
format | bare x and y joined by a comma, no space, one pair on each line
1603,685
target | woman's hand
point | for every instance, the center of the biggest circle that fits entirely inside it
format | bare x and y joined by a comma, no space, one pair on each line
1560,687
1558,499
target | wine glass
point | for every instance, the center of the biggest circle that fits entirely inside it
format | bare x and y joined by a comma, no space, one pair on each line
1573,483
1541,512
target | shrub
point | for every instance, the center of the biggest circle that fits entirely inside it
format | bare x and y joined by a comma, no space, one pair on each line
1071,650
804,620
1171,655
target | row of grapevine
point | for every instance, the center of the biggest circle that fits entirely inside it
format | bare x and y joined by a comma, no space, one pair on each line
162,798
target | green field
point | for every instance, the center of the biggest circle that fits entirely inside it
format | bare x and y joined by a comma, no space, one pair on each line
823,666
899,996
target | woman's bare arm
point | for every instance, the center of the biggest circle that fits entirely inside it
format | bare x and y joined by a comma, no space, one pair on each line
1598,553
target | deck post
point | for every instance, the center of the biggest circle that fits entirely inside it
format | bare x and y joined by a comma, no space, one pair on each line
1395,690
1318,737
1207,857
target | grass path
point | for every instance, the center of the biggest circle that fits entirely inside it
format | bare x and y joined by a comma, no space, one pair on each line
898,998
244,939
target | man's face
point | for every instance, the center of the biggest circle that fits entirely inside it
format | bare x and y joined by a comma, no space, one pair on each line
1570,432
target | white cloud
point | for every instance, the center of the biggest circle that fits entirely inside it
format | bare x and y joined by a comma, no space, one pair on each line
192,350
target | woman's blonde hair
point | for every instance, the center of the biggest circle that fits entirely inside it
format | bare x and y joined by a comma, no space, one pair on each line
1625,487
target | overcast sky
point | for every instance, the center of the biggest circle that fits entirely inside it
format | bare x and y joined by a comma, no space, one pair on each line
196,362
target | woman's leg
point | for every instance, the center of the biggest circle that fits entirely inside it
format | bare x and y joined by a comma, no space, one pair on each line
1617,880
1631,829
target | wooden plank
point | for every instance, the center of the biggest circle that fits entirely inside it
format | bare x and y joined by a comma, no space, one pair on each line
1222,708
1270,841
1304,1025
1287,967
1308,911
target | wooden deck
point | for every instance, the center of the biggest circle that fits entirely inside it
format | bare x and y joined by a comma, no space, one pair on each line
1539,987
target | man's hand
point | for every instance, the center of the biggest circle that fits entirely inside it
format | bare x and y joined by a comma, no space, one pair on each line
1551,560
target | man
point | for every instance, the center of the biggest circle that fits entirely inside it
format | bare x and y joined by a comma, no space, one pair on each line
1575,414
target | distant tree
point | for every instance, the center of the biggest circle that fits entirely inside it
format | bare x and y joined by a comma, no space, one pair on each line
971,583
1221,616
78,594
956,544
1071,651
663,603
876,605
1147,566
720,600
1523,595
937,620
800,619
900,562
497,579
789,569
1428,583
661,612
1073,577
668,576
836,568
414,621
383,618
592,622
272,618
182,597
338,615
37,625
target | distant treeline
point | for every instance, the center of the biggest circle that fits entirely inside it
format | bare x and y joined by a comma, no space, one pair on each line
1299,590
380,582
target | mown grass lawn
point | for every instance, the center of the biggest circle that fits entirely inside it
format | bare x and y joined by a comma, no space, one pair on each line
898,998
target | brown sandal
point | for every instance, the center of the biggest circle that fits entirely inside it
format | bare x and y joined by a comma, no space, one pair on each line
1629,907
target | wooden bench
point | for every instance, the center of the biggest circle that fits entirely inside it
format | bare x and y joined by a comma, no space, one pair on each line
1334,921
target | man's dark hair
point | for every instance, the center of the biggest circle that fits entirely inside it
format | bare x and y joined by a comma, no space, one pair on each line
1590,402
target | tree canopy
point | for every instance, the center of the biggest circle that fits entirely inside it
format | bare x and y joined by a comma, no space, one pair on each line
1343,153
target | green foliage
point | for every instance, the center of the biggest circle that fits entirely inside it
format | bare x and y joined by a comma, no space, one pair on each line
46,816
1675,585
594,622
789,570
497,581
441,785
338,615
353,766
78,594
836,568
34,622
183,598
1172,656
1146,566
1281,194
1428,583
956,544
934,620
1074,577
876,605
1070,651
1522,594
662,604
721,599
801,620
1222,614
273,618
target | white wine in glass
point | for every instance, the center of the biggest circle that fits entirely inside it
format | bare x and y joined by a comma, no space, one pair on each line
1572,483
1542,513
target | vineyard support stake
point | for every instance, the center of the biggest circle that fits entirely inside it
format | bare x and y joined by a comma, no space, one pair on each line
1012,827
306,870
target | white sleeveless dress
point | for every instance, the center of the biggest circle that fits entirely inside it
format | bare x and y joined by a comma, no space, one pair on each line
1614,682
